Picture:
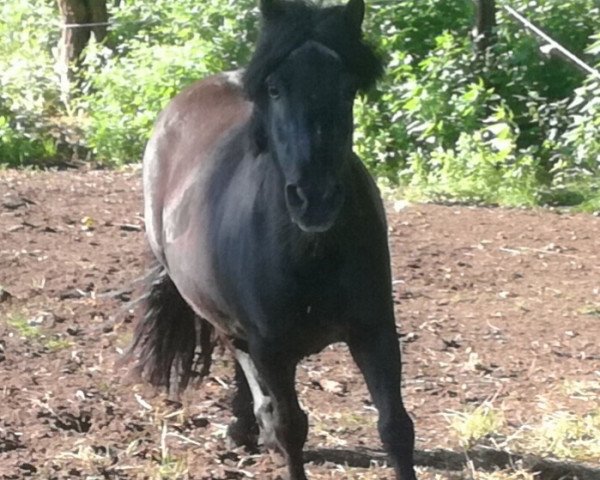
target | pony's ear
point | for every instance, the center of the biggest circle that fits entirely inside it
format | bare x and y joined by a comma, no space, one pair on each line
270,8
354,13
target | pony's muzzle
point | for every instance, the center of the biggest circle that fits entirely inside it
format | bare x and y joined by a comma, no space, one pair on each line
314,209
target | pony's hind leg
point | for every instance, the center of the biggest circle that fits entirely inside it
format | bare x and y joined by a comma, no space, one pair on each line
243,431
377,354
206,341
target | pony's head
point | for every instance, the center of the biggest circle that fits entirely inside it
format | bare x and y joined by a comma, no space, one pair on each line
308,66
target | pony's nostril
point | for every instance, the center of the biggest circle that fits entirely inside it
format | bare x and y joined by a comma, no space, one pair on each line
296,197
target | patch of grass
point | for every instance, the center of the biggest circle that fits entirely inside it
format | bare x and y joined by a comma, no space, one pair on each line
564,435
590,205
123,338
593,310
87,457
566,197
23,328
582,194
350,419
32,332
475,424
583,389
163,463
505,475
587,192
169,467
58,344
560,432
333,426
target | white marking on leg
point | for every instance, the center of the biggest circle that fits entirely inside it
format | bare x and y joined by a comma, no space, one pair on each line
263,407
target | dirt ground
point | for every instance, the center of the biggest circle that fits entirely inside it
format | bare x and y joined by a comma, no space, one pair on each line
493,305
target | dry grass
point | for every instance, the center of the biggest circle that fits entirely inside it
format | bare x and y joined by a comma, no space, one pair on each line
504,475
563,434
559,432
162,463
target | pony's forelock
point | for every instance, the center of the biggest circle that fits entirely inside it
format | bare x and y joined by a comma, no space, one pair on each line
297,22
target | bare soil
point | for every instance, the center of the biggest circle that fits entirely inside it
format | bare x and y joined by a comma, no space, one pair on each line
496,305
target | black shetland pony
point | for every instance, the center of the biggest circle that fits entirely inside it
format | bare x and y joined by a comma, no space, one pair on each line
267,227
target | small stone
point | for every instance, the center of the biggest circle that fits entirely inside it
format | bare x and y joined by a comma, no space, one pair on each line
5,295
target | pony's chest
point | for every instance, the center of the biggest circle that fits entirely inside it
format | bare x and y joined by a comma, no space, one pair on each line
312,291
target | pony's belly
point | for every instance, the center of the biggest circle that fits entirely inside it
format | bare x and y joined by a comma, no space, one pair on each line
206,305
193,276
208,309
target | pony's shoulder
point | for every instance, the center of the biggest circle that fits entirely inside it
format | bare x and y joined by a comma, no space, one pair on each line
224,87
211,105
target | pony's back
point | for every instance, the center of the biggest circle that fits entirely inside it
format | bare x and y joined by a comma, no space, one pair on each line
186,132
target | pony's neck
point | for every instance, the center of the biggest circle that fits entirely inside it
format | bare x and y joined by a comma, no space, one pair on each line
257,135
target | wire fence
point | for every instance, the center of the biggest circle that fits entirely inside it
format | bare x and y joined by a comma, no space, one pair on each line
549,47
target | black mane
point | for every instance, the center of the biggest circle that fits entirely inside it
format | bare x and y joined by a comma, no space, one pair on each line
296,22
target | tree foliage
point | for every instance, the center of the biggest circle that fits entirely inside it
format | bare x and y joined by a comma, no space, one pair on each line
443,117
28,87
158,48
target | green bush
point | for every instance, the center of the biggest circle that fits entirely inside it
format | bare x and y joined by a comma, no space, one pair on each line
423,108
482,167
512,127
581,139
429,118
174,44
29,88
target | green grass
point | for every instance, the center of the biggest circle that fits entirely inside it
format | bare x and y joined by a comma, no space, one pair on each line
58,344
23,328
34,333
171,467
475,424
592,310
589,205
583,196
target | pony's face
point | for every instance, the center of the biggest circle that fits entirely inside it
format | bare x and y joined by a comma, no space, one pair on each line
303,77
309,127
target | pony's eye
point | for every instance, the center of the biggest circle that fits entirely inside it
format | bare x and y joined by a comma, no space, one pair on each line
273,91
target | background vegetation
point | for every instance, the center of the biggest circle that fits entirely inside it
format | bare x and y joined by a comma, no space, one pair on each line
514,128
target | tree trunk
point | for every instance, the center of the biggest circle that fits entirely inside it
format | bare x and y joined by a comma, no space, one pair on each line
485,24
74,38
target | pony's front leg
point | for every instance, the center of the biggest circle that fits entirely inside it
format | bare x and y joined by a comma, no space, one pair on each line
244,429
261,400
376,351
277,371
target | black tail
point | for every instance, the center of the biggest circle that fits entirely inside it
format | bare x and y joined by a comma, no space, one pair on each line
167,334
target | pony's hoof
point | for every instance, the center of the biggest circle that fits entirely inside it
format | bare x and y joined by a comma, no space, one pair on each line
241,434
